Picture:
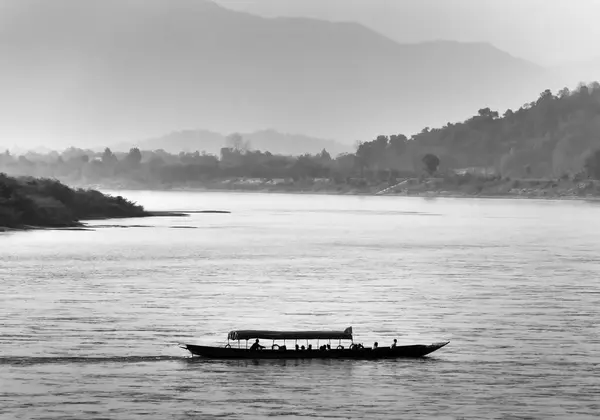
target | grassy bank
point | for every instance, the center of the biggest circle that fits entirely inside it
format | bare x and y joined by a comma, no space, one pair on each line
31,202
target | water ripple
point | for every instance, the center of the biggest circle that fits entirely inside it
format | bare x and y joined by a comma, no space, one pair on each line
90,320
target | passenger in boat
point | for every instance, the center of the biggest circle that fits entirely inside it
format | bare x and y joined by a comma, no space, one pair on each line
394,345
310,346
302,348
297,347
375,345
256,346
328,346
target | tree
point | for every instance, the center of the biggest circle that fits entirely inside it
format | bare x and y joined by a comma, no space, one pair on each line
397,143
324,156
108,157
5,157
547,94
235,141
583,89
365,155
487,112
431,162
564,93
134,157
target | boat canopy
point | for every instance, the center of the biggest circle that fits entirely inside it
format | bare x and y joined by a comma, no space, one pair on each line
291,335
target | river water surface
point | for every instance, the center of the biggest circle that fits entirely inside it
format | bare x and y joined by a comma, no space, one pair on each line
90,320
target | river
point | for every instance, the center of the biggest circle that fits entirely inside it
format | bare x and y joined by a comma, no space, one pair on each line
90,320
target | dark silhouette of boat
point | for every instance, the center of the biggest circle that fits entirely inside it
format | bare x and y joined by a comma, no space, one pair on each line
277,351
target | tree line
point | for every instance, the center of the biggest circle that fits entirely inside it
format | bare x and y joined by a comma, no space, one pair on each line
557,135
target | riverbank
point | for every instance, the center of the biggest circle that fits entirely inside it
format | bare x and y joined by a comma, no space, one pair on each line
31,203
452,186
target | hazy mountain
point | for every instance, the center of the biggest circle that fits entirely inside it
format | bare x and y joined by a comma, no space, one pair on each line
115,70
211,142
294,144
179,141
529,29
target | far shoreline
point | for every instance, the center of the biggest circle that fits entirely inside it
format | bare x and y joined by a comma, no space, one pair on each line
82,225
426,194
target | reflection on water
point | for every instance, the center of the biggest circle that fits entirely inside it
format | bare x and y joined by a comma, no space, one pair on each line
91,319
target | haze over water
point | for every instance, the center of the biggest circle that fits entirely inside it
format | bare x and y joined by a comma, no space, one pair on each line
91,319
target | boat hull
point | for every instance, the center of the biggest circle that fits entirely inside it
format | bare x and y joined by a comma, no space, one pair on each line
412,351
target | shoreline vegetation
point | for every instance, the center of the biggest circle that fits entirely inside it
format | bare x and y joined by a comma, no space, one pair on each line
548,148
448,186
31,203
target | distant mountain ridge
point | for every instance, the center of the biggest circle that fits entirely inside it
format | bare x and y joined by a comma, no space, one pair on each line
85,72
211,142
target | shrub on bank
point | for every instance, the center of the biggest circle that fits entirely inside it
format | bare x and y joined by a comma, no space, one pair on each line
30,201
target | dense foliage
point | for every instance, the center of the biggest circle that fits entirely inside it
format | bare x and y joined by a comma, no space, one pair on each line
555,136
45,202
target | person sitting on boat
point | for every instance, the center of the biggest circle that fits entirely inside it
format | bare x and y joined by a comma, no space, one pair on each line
310,347
256,346
297,347
394,345
375,345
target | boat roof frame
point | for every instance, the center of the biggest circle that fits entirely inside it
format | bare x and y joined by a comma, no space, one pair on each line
290,335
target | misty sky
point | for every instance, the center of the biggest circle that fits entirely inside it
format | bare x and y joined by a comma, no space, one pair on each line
549,32
101,72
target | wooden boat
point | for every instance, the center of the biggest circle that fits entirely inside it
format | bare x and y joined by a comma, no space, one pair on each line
277,351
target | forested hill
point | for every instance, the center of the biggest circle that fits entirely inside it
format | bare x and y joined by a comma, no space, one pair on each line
550,136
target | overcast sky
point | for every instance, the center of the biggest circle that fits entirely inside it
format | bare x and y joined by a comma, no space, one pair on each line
548,32
88,91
